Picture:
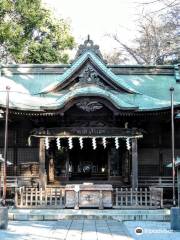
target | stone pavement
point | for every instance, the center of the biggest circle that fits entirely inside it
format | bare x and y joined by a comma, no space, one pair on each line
88,230
152,230
66,230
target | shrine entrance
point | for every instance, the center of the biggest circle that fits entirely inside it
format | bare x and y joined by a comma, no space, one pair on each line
89,154
88,164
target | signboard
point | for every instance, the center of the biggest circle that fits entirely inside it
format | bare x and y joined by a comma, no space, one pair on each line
87,132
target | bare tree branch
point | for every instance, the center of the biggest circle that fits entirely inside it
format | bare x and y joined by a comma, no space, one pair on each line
128,49
158,39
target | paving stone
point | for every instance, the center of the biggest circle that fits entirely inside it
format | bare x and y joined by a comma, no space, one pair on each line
21,217
35,218
86,230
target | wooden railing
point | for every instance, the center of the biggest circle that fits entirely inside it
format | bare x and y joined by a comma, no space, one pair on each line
39,198
122,198
160,181
28,181
138,198
11,182
19,181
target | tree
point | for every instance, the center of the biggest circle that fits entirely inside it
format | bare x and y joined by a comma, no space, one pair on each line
158,39
30,34
115,57
163,4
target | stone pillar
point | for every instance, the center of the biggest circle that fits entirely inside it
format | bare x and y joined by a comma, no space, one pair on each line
134,164
175,218
178,182
42,170
3,218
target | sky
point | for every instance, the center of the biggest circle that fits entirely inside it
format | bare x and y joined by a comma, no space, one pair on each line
99,18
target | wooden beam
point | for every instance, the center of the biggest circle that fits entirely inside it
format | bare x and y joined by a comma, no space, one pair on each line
134,164
42,170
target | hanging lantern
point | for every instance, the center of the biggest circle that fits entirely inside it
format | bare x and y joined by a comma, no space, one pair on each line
47,143
116,142
81,142
104,142
70,142
94,143
128,145
58,142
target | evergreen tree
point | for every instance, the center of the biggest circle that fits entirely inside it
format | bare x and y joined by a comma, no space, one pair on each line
30,34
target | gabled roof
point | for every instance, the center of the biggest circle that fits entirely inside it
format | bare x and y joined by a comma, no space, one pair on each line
89,55
139,88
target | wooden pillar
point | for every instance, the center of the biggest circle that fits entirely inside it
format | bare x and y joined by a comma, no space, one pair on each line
134,164
42,170
109,164
67,166
125,167
15,153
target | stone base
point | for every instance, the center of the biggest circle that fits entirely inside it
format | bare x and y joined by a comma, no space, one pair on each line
3,217
88,195
91,214
175,218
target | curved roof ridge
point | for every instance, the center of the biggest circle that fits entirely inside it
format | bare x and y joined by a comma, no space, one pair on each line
100,64
93,91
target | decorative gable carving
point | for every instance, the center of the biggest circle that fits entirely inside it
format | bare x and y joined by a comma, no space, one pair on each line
89,76
88,105
89,45
89,69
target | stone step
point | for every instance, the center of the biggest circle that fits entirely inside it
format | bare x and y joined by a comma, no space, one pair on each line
91,214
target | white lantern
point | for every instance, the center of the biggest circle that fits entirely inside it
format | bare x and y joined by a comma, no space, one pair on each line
81,142
58,142
104,142
116,142
94,143
70,142
47,143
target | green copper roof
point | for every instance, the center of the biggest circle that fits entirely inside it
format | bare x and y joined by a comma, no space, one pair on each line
25,101
112,96
156,86
31,85
102,67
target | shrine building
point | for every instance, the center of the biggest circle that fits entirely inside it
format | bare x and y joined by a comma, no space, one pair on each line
91,127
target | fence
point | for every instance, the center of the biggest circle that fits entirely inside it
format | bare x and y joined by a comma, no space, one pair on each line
161,181
39,198
139,198
122,198
11,182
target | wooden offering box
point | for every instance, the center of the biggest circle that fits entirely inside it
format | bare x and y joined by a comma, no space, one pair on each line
88,195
